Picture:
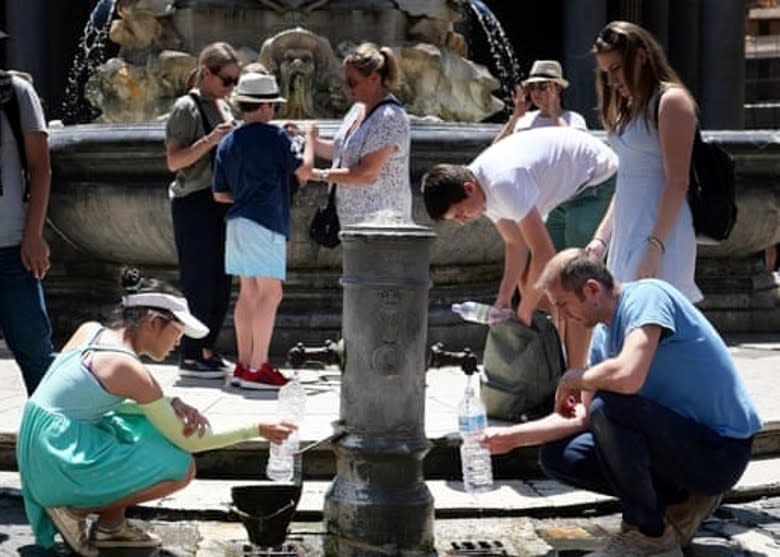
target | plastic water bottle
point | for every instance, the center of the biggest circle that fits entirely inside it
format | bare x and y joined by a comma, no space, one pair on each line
474,458
482,313
290,407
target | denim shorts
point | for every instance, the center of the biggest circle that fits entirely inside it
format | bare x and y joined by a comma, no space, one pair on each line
573,223
252,250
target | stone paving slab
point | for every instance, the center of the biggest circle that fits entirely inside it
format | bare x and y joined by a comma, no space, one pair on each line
758,361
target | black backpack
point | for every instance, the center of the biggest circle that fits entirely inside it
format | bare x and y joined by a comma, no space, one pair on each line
712,190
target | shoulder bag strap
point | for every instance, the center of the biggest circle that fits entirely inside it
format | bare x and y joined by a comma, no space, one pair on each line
388,100
207,127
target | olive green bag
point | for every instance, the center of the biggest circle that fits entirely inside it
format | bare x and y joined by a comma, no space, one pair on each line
523,365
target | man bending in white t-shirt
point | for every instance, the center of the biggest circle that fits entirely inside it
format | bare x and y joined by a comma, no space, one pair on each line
515,183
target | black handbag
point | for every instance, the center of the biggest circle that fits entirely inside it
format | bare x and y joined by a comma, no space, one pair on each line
325,226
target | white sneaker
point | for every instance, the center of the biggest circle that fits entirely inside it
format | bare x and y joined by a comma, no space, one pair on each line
630,542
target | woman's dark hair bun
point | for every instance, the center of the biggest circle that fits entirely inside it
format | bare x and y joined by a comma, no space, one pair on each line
131,280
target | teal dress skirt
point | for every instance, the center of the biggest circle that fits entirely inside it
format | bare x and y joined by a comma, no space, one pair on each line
78,448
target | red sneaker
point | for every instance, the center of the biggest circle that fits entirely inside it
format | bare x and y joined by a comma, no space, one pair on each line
238,374
267,377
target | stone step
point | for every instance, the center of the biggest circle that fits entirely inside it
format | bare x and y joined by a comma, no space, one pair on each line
247,460
541,498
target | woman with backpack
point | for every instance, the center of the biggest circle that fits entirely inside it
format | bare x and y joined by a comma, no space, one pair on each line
650,118
195,127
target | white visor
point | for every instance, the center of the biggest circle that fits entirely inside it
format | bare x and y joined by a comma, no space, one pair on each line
177,306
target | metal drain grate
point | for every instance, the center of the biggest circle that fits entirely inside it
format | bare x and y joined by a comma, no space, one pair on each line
478,548
286,550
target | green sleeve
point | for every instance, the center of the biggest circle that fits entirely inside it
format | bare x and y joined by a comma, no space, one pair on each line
128,407
163,417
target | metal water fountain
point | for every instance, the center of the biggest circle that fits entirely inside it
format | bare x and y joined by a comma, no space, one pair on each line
379,479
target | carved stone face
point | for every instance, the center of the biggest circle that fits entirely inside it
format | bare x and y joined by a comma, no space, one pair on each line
306,68
296,72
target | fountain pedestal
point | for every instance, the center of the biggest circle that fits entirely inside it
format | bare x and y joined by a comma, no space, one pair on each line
379,504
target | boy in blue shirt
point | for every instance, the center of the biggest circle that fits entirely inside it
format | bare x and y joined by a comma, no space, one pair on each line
251,172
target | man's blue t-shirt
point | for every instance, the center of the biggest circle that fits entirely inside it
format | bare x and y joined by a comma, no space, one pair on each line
254,163
692,372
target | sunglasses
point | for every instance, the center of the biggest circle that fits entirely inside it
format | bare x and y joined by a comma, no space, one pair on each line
227,80
538,85
609,39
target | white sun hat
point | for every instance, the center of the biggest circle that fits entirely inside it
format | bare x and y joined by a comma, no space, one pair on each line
255,87
175,304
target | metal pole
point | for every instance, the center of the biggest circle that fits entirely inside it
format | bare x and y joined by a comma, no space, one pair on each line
379,504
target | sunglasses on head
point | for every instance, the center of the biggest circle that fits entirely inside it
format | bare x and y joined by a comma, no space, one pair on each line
227,80
538,85
609,38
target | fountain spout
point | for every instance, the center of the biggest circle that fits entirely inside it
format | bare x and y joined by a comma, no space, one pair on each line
439,357
331,353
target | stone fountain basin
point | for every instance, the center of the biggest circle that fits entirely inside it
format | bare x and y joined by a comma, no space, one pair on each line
266,510
109,194
109,207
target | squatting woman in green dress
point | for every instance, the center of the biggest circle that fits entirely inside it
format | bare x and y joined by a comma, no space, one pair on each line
98,435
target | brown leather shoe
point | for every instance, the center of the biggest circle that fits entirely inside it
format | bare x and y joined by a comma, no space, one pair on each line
687,516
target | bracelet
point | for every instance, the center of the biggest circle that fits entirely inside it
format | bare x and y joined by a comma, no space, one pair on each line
322,174
657,242
602,240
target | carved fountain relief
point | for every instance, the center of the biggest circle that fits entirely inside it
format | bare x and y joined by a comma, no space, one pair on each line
157,51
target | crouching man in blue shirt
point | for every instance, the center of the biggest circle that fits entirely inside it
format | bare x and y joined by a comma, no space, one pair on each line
661,419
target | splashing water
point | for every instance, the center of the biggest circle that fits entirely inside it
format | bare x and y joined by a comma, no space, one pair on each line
91,53
504,59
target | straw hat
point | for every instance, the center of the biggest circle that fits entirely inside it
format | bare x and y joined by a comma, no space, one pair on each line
546,70
257,88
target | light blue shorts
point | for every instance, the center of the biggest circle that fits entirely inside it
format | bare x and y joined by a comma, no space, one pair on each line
252,250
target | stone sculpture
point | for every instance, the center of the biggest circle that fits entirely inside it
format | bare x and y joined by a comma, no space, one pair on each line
309,74
158,42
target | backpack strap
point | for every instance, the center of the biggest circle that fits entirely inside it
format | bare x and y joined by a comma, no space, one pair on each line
12,114
207,127
15,120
